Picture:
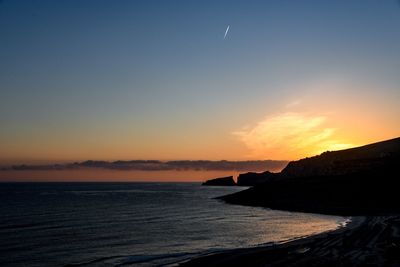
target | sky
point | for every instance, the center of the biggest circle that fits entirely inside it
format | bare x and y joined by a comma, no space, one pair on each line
158,80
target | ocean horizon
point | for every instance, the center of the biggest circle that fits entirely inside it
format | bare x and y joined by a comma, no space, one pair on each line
136,223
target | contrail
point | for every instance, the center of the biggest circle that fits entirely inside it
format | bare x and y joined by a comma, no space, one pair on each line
226,32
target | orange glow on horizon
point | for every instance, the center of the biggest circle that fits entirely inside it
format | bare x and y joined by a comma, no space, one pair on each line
103,175
295,135
306,125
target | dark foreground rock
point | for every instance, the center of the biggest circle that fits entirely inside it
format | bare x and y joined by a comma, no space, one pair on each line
223,181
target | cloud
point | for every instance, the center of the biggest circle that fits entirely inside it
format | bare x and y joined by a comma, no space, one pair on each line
290,136
294,103
156,165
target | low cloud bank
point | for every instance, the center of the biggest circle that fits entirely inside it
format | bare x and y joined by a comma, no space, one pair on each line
156,165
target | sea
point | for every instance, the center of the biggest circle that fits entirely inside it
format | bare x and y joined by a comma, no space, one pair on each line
136,224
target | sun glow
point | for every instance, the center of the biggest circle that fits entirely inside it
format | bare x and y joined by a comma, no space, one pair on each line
292,135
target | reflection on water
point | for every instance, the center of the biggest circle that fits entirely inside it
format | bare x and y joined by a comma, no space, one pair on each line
141,223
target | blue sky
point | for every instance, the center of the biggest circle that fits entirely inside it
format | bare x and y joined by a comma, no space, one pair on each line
156,79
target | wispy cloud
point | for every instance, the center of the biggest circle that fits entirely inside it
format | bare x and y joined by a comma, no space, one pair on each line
290,136
294,103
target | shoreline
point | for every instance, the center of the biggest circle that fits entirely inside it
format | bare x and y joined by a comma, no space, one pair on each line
354,222
365,240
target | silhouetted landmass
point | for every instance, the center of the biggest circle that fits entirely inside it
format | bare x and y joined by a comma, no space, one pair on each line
361,180
353,160
223,181
156,165
254,178
334,163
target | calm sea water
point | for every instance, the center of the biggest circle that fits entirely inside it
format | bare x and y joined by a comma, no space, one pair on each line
144,224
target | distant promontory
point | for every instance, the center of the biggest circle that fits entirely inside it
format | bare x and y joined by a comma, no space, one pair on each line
223,181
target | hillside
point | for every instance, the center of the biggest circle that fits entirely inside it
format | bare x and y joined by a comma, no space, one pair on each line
361,180
345,161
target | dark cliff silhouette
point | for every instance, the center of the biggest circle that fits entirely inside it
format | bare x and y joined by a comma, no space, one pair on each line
223,181
340,162
254,178
353,160
361,180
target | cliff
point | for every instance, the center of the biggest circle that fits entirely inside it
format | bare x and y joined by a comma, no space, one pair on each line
223,181
346,161
361,180
254,178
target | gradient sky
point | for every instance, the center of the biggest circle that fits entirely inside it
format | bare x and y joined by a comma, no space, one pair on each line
157,80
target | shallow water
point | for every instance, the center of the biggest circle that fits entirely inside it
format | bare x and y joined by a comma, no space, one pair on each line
145,224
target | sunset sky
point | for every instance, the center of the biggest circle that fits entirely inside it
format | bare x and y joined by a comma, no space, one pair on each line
157,80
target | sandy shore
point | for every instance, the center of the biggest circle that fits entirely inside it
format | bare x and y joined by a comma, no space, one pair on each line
365,241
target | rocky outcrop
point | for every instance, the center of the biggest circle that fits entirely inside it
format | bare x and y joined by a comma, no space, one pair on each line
223,181
254,178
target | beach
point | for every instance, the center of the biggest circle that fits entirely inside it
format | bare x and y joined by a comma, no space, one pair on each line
365,241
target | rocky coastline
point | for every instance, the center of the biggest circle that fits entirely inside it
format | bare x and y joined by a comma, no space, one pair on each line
360,182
